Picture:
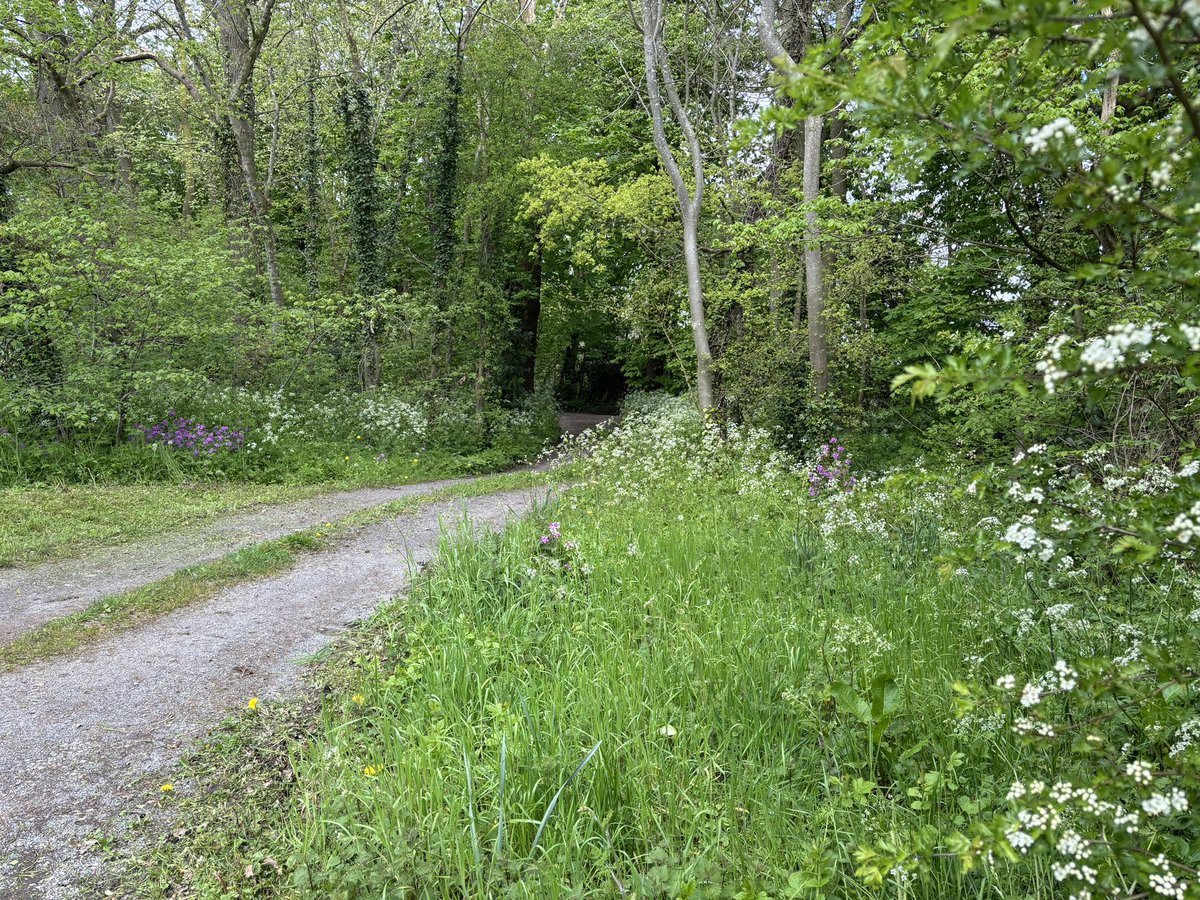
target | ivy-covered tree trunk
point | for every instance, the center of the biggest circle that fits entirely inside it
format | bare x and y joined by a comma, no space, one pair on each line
312,176
445,203
362,186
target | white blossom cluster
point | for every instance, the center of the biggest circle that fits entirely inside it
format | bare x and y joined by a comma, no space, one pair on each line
1103,354
1059,131
1024,535
1035,494
1060,679
389,415
1064,814
272,418
1191,333
856,635
1050,365
1124,343
1165,883
1122,192
1187,736
1186,525
662,441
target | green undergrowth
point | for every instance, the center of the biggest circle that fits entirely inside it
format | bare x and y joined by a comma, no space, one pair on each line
696,638
199,582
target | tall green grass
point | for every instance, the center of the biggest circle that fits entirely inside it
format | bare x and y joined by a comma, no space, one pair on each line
713,647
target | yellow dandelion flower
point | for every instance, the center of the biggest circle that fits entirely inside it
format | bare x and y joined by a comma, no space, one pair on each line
167,788
253,704
359,699
370,771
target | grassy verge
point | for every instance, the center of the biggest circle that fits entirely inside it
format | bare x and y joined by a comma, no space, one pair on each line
45,523
199,582
685,634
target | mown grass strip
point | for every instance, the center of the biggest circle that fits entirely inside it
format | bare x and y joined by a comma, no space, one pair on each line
50,523
127,610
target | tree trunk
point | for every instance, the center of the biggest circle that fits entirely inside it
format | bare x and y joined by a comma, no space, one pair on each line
814,273
838,182
445,204
837,121
1108,104
531,314
241,42
528,10
689,202
362,189
243,139
691,258
312,176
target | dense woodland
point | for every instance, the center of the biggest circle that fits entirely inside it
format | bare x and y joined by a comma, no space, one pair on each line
489,207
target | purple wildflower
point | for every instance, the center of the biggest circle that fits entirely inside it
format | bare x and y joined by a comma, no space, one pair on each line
178,433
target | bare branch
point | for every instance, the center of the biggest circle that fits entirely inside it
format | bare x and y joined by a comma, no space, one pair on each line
13,165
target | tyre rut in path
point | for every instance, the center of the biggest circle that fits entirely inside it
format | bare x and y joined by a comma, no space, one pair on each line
31,597
87,738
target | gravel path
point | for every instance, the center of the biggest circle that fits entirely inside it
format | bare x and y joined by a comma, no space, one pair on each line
30,597
84,739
